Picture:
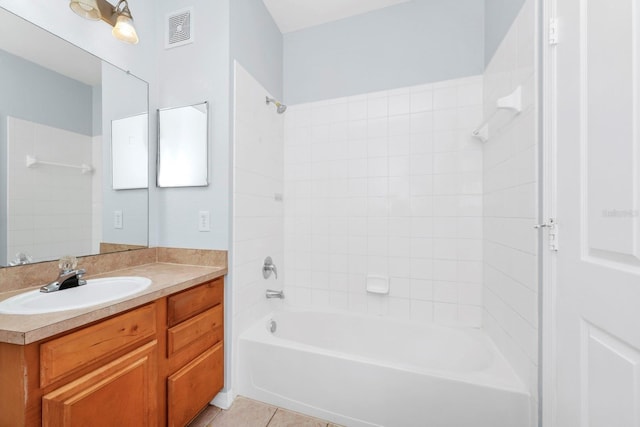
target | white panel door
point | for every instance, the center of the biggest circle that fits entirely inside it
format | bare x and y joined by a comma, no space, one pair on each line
597,84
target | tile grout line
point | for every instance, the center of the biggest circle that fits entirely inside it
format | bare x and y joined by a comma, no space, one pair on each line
272,416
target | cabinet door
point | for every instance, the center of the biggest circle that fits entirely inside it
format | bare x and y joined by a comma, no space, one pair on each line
192,387
122,393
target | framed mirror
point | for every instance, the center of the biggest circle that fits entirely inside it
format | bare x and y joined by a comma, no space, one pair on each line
57,106
182,146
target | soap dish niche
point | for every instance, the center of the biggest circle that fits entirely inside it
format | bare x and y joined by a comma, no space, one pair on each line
377,285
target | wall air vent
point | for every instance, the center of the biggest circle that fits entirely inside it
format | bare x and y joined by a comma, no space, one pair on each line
179,28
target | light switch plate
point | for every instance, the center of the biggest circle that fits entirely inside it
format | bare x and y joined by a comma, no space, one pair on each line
204,221
117,219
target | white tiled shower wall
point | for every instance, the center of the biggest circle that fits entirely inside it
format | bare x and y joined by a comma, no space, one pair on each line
258,218
387,183
510,208
49,207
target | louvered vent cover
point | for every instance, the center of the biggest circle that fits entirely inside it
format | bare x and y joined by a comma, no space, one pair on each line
180,28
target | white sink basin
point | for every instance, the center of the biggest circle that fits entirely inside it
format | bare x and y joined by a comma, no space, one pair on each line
96,291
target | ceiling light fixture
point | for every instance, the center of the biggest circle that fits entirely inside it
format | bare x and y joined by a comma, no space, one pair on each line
118,16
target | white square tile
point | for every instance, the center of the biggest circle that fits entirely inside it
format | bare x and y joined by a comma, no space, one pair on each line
399,145
399,308
422,205
357,109
357,129
399,186
446,270
421,247
399,125
377,147
445,292
400,267
445,120
399,104
377,128
445,314
378,167
470,294
469,315
421,269
421,143
422,164
339,300
377,207
445,249
421,101
399,166
444,98
422,311
377,107
422,122
422,227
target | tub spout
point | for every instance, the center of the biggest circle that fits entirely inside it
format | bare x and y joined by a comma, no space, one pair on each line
275,294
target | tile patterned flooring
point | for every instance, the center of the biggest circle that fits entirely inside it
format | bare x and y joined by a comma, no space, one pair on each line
251,413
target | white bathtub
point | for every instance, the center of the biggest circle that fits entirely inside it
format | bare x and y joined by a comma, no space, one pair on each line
368,371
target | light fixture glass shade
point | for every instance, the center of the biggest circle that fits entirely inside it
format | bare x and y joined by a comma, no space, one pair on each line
124,30
88,9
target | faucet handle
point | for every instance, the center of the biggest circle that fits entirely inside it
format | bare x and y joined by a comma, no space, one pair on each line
67,263
268,267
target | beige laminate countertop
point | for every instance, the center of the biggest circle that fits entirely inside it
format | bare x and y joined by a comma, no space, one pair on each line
166,279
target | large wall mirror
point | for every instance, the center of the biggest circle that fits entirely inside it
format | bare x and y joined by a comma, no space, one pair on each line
57,107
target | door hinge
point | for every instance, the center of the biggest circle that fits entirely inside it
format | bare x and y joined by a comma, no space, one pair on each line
553,31
552,233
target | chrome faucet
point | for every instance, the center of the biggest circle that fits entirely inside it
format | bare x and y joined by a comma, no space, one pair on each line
269,267
68,276
275,294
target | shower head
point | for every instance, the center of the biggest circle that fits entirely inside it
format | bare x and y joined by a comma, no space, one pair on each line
281,108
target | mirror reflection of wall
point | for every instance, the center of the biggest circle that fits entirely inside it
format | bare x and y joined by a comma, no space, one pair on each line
182,146
57,105
129,152
48,116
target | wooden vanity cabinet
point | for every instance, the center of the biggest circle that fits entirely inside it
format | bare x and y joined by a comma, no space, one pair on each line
195,351
158,364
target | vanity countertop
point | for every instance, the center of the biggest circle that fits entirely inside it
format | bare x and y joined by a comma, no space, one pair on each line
166,279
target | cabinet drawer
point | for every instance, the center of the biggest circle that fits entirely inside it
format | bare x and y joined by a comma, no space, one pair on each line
194,301
192,387
199,332
64,355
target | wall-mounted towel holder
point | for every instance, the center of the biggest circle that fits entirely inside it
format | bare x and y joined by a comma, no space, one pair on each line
33,161
513,102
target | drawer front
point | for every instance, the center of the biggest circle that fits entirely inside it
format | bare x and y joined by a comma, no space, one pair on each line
121,393
64,355
192,387
198,333
184,305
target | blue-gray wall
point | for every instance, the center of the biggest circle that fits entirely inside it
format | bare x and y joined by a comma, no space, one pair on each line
498,17
256,43
412,43
34,93
31,92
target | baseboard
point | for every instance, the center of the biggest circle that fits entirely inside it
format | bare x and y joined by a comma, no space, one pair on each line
224,399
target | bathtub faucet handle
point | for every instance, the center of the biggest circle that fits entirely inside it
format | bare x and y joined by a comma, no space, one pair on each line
268,268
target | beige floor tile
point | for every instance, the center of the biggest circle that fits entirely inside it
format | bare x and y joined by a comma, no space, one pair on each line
244,413
284,418
205,417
